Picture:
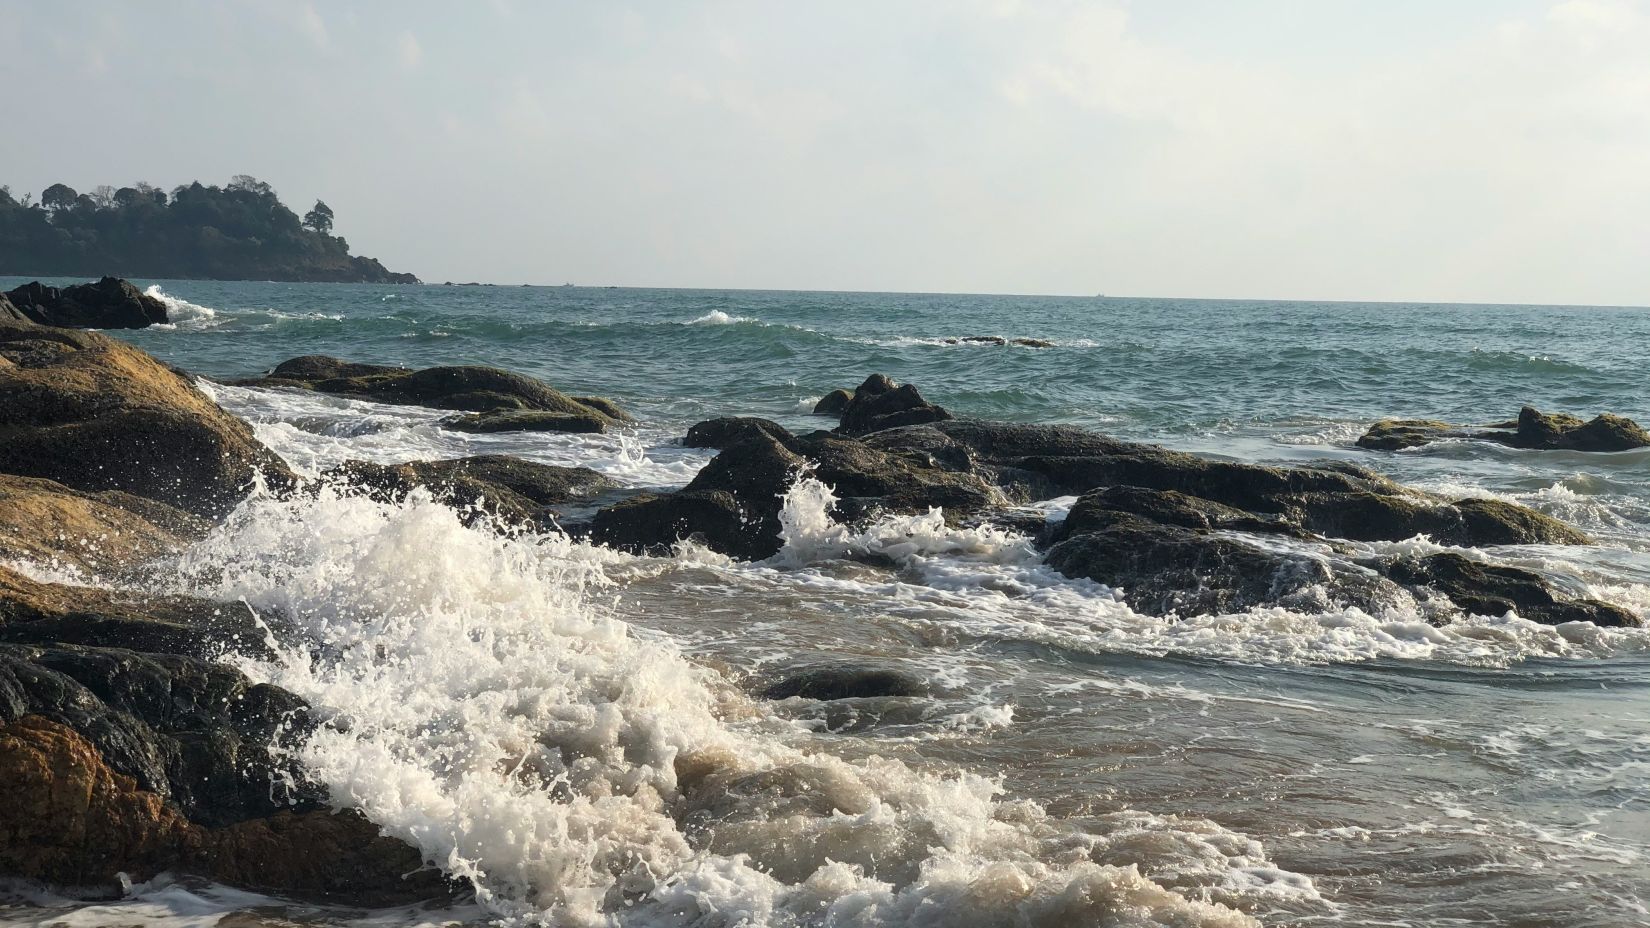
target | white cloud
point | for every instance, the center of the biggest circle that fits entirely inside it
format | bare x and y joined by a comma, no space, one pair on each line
312,25
410,52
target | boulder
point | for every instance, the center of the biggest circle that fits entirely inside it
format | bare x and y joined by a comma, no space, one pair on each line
728,430
1533,429
526,420
1173,570
468,389
1100,509
881,404
653,524
111,303
515,492
844,681
833,403
1493,590
1400,434
96,414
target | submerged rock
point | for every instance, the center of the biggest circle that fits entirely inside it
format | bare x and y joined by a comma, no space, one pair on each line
524,420
110,303
844,681
469,389
1175,570
514,491
1533,429
96,414
1493,590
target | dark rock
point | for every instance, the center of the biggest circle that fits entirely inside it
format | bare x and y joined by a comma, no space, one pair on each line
978,340
879,404
1031,342
1100,509
729,430
1170,570
606,407
96,414
523,420
470,389
1494,590
1351,503
844,681
513,491
111,303
1532,430
653,524
833,403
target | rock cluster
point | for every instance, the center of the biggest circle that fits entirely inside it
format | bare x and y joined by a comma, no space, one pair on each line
1533,430
111,303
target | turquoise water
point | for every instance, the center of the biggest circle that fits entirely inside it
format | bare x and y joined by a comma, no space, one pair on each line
1301,769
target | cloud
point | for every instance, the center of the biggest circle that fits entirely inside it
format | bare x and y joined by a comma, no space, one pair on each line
312,25
410,52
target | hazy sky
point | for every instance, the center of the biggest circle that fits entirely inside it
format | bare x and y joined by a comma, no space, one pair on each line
1494,150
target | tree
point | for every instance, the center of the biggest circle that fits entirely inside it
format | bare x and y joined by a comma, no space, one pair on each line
319,218
103,195
58,196
251,184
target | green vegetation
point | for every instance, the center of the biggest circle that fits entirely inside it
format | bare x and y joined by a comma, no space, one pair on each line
238,232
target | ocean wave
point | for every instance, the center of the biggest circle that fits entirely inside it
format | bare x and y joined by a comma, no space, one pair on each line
717,317
180,313
1484,359
487,711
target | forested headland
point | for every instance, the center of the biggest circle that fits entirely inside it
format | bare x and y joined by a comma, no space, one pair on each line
241,231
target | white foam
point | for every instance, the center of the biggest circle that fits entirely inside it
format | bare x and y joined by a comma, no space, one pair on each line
991,583
180,313
486,711
717,317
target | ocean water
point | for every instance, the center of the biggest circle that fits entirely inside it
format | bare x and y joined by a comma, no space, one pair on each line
570,727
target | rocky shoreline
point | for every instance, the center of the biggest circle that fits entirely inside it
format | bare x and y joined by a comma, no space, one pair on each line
128,747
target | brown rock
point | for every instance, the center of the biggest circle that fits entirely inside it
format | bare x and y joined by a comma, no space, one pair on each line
97,533
97,414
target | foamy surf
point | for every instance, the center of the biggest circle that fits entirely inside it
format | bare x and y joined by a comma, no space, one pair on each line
180,313
488,709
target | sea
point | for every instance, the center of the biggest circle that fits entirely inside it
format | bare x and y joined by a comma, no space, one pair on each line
574,730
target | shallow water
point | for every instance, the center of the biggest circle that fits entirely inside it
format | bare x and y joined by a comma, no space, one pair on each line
569,725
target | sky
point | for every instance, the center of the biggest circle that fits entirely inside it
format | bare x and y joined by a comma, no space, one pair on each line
1446,150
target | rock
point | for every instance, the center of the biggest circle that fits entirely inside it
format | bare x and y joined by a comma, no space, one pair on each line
49,524
1494,590
1171,570
1038,462
878,404
754,474
844,681
96,414
111,303
514,491
1399,434
1100,509
522,420
728,430
833,403
606,407
469,389
1031,342
1532,430
72,820
653,524
1605,432
978,340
